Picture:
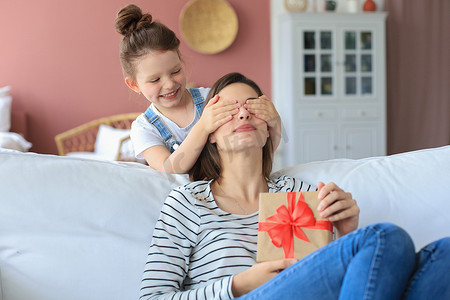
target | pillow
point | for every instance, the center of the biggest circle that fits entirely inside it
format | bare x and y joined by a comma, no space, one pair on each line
4,91
126,151
5,109
14,141
108,141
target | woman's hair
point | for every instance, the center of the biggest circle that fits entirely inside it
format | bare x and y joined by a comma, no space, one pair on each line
141,36
209,165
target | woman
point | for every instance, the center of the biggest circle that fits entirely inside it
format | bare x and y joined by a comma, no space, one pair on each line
204,244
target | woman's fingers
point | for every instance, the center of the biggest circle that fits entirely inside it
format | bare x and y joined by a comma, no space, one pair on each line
327,189
335,204
351,211
338,207
272,268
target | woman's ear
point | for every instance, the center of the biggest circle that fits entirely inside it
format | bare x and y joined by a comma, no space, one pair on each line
132,84
212,138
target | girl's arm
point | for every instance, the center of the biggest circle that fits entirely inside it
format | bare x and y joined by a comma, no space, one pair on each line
167,266
214,115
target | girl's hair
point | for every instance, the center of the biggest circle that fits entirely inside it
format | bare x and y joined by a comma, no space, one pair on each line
209,165
141,36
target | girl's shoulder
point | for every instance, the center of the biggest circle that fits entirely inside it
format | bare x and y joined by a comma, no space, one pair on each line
202,90
285,183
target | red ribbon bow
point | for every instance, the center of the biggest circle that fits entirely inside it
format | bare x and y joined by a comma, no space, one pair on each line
289,221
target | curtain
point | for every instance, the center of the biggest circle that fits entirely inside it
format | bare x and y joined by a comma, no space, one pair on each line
418,74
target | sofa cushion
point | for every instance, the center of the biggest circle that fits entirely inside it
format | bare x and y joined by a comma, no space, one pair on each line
80,229
76,228
408,189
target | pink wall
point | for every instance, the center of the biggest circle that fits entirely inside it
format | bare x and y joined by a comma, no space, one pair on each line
61,59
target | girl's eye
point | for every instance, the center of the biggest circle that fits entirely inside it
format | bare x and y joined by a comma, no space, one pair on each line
154,80
176,72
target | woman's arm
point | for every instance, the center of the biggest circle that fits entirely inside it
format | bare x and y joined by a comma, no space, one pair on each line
167,266
257,275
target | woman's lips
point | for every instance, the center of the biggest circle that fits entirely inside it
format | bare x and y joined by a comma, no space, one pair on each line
244,128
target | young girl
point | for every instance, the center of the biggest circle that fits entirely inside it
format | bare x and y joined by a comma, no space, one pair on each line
172,132
204,244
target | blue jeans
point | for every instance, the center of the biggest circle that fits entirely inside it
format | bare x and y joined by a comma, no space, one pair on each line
374,262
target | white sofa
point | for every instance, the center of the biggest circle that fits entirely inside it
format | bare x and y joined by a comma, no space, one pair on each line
80,229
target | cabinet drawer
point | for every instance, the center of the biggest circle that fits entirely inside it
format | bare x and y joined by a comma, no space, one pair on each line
316,114
360,113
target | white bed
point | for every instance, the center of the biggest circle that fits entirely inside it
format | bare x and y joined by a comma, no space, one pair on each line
9,140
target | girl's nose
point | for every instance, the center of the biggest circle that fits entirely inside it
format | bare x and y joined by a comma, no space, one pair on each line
169,83
243,113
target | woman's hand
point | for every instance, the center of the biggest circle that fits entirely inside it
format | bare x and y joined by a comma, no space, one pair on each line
258,275
338,207
216,113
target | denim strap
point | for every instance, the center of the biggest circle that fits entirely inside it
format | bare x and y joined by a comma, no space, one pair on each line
165,133
156,121
198,99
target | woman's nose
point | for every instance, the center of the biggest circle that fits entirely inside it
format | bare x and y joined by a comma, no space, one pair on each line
243,113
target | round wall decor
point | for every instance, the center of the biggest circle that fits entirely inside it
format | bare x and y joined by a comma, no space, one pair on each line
208,26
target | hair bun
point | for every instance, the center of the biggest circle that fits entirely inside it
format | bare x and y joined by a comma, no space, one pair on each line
130,18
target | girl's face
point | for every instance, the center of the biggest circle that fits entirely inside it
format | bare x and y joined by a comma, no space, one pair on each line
160,78
244,130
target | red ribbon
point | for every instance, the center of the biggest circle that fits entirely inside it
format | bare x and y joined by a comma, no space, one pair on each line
289,221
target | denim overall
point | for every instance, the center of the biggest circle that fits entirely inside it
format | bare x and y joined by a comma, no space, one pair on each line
165,133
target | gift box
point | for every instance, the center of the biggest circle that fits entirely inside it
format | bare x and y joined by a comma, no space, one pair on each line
290,226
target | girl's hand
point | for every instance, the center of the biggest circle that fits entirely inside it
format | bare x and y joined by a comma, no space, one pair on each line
339,207
257,275
215,113
264,109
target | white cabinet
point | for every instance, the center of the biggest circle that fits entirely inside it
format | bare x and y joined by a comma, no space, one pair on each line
330,87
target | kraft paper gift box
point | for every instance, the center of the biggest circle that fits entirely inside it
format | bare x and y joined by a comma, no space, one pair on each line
290,226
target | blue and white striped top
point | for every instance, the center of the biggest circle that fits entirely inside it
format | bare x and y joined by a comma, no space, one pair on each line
197,247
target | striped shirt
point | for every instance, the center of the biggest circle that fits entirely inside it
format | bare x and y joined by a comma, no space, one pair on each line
197,247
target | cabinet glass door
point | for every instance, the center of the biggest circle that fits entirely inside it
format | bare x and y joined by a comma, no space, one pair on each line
318,63
358,63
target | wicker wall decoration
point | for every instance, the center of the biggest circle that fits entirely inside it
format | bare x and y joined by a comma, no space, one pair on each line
208,26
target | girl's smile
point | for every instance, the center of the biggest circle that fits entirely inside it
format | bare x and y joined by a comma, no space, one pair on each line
171,95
